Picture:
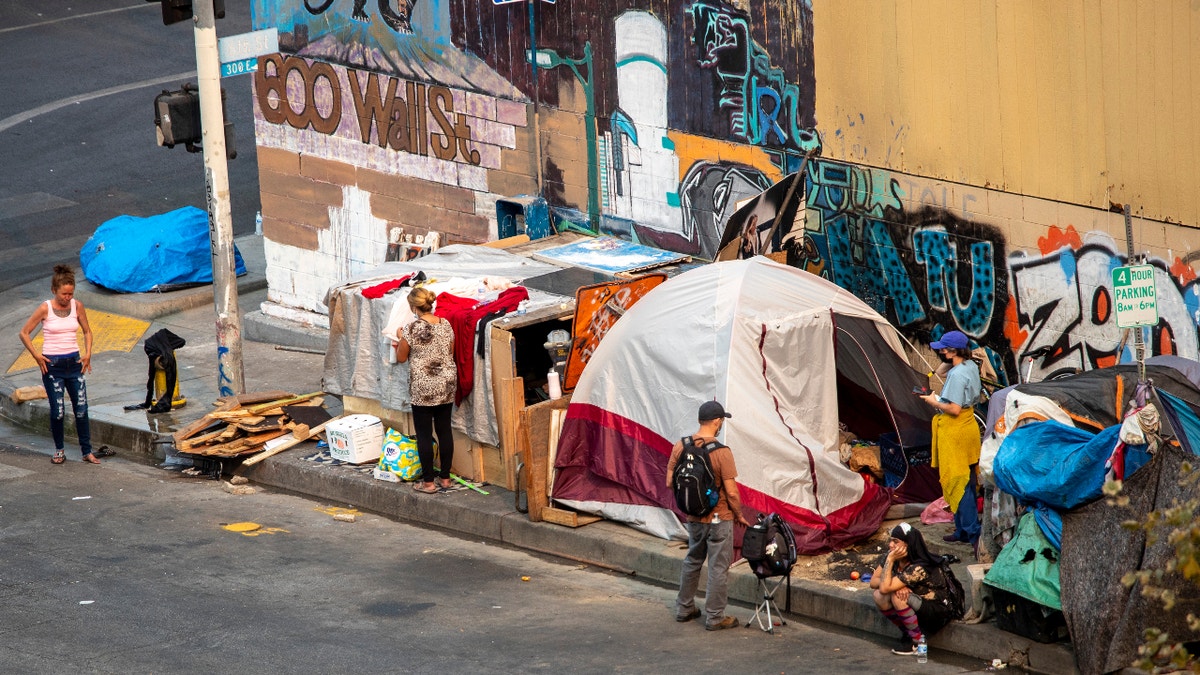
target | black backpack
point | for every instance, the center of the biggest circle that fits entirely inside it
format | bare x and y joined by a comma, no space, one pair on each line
956,598
696,489
769,546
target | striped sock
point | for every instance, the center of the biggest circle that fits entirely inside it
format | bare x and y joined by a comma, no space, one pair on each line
910,625
891,615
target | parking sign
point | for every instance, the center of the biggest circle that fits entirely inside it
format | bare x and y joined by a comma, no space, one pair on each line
1134,296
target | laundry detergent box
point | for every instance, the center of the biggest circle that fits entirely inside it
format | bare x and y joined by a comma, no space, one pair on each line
355,438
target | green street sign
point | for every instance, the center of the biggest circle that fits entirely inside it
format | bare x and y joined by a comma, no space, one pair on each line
1134,296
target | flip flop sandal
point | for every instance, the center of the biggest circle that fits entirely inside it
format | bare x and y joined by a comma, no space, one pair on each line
59,457
103,451
420,487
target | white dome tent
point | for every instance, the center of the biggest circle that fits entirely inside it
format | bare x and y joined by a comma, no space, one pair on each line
789,354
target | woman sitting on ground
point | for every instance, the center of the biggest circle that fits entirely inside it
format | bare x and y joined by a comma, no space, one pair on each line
910,589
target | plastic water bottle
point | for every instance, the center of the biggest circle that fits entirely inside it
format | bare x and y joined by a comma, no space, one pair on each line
258,223
922,650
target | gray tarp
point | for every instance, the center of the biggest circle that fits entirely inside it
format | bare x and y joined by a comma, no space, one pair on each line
1106,619
357,359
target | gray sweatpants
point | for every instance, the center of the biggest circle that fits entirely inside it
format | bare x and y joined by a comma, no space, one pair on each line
715,542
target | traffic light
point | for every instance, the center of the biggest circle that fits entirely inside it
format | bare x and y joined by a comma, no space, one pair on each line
174,11
177,117
177,120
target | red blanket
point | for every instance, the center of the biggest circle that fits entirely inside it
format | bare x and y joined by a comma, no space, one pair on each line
464,315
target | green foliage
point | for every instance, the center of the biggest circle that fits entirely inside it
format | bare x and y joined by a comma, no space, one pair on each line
1178,523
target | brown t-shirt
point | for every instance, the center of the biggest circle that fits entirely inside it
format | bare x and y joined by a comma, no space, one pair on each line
723,468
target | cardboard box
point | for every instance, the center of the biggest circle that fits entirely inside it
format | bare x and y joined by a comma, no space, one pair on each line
355,438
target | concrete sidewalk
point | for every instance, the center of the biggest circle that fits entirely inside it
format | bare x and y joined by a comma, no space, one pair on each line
119,378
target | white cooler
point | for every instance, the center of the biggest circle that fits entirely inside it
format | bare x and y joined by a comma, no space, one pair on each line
355,438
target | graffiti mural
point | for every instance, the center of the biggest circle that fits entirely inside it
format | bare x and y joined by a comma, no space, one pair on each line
397,19
923,264
763,108
1063,300
916,266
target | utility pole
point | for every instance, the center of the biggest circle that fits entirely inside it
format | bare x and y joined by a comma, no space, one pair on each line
231,379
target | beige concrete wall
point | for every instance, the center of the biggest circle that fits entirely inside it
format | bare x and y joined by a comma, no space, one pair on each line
1079,101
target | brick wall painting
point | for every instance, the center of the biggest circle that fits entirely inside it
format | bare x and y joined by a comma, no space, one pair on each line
651,120
934,257
644,133
360,140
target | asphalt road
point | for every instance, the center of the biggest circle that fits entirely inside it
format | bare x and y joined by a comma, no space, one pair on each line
77,137
128,568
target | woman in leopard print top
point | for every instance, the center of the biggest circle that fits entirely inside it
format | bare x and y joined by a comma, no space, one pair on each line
432,378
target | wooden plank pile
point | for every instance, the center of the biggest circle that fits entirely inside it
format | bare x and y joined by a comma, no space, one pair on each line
243,424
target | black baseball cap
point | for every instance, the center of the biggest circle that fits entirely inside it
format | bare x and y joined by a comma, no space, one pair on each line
711,410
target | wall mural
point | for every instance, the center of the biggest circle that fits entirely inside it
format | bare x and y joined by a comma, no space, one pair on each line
687,107
658,117
397,19
932,267
1063,299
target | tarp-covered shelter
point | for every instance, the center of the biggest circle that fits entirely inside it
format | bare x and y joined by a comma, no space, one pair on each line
158,253
1058,471
791,355
357,361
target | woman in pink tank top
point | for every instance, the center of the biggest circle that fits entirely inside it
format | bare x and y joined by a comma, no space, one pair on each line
62,363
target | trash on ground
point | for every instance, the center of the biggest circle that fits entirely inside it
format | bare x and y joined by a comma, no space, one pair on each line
237,489
244,424
23,394
75,499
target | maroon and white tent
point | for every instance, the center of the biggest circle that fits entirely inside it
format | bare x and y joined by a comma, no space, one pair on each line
792,357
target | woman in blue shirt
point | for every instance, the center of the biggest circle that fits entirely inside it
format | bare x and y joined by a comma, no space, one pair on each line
956,437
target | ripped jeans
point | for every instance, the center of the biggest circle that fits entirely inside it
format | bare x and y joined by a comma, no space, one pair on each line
65,375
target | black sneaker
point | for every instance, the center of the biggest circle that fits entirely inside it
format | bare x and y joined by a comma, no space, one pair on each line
906,648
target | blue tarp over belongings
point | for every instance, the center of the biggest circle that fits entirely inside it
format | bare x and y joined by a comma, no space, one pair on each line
1057,465
158,253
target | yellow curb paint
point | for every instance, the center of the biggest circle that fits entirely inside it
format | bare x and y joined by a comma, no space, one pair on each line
242,527
336,510
110,333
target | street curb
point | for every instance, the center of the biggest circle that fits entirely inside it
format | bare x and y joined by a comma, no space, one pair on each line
151,306
613,546
35,415
260,327
603,544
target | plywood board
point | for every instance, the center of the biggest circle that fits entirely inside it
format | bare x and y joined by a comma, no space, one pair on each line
559,516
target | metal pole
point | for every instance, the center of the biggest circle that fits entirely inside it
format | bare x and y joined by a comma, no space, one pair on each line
591,135
230,374
1139,344
537,96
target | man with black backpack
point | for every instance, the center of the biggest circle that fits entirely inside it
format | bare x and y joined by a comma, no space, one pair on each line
699,464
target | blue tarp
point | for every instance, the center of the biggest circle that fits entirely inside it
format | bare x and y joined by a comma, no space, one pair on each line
1058,465
1183,419
136,255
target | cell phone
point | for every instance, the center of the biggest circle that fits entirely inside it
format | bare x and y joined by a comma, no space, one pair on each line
920,391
